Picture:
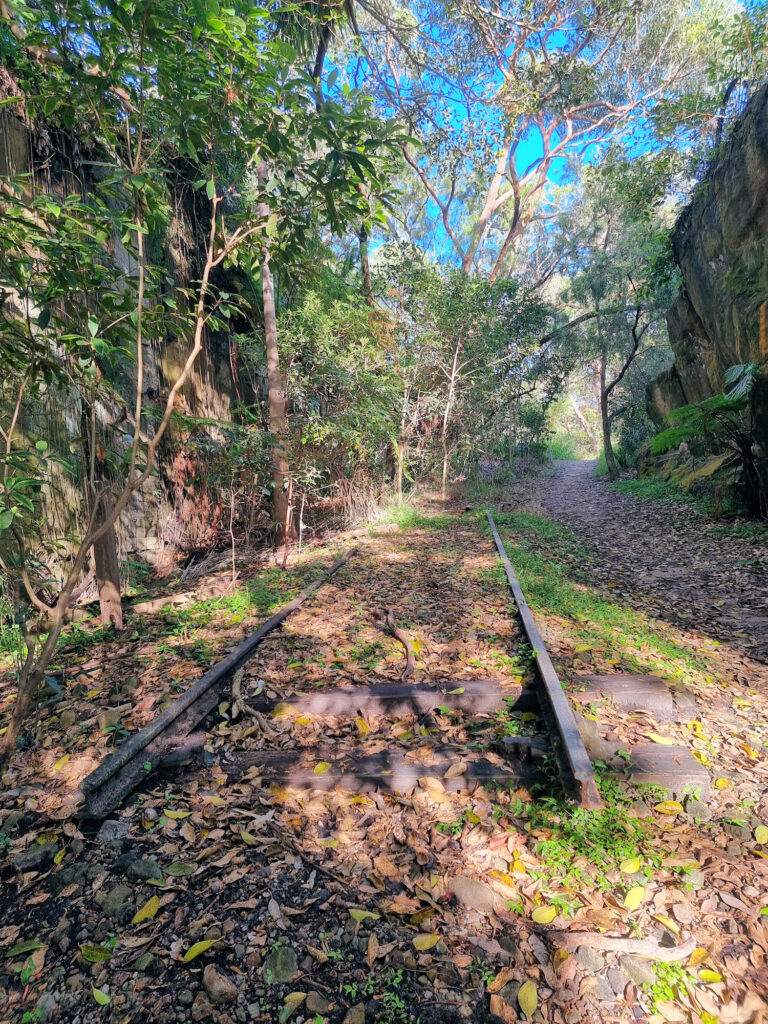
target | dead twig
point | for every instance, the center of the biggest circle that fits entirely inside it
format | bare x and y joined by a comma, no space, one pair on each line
386,620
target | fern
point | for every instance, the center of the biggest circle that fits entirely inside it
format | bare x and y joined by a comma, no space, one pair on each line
715,417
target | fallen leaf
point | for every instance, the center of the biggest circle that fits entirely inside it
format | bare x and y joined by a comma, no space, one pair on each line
321,767
95,954
528,998
631,866
148,911
177,815
101,997
422,942
634,897
361,915
669,807
710,977
198,948
761,834
544,915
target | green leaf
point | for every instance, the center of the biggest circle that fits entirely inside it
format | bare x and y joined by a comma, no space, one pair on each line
198,948
95,954
210,189
101,997
179,870
23,947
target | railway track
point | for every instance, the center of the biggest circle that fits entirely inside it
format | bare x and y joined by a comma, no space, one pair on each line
175,735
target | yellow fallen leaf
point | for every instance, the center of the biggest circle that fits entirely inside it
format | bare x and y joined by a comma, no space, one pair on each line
459,689
631,866
303,720
528,998
321,767
544,915
362,727
517,865
505,879
60,764
761,834
634,897
417,643
698,956
148,911
723,783
472,818
281,709
669,807
422,942
667,922
176,815
248,839
560,956
101,997
361,915
198,948
710,977
751,753
665,741
330,844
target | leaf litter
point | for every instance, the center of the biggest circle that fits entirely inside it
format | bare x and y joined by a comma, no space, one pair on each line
426,897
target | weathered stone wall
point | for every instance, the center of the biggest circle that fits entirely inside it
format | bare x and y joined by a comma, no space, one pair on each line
721,245
157,518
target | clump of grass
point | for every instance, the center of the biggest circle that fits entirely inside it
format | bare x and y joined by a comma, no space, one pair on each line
559,590
653,488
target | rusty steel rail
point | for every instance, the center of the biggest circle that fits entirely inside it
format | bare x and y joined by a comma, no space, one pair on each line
142,752
575,764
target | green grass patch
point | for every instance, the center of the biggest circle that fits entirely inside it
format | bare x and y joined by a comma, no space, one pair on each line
562,590
653,488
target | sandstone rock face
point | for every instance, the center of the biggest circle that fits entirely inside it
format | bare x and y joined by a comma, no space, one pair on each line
720,242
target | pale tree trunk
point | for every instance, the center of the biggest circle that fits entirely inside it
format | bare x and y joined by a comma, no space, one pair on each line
365,265
447,415
610,459
583,421
278,421
107,568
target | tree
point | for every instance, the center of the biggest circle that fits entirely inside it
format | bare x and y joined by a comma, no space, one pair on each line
200,90
503,95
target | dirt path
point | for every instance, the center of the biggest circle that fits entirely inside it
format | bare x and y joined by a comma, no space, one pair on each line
677,564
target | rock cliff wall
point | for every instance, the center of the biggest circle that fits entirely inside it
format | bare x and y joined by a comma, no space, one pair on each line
720,242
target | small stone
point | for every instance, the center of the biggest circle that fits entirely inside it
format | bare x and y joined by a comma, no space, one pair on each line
355,1015
683,912
118,904
201,1008
145,867
509,993
617,980
640,970
316,1003
697,809
186,997
115,828
281,966
150,965
38,858
590,959
45,1006
67,718
604,991
219,987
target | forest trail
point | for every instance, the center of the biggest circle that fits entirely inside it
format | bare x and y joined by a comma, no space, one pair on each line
666,557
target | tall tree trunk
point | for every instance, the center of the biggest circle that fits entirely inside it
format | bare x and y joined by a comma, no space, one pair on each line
278,421
446,417
107,568
365,266
610,459
583,420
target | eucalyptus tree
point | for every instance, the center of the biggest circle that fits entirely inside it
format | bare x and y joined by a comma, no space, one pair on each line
502,95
